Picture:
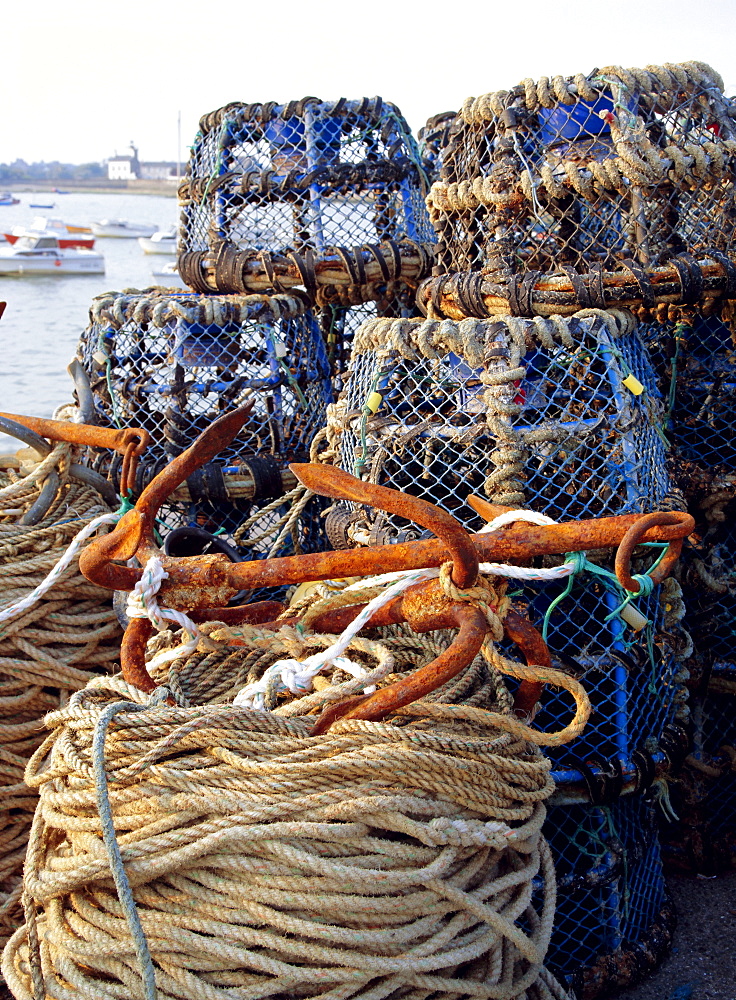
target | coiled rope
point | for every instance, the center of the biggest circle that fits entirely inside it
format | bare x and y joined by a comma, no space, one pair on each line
50,644
378,857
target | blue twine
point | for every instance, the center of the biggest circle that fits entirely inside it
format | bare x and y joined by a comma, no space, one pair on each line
120,878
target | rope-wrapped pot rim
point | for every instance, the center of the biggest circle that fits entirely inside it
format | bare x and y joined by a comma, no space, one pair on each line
157,307
650,84
237,112
228,270
685,280
636,156
469,337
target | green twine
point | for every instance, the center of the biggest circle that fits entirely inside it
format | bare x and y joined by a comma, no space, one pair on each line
581,838
382,375
680,338
413,146
587,840
580,562
126,503
102,342
291,381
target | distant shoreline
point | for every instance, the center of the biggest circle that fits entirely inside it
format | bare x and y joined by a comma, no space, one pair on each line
165,188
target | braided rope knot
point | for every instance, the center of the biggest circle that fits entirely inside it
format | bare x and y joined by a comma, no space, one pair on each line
484,595
142,603
577,561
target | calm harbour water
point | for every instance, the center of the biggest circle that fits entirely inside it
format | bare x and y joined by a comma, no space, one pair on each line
45,316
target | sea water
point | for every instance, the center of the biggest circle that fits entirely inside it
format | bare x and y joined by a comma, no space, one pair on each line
45,315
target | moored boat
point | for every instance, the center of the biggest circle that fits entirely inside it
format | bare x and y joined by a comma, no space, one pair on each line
168,275
51,227
43,255
6,198
162,242
122,229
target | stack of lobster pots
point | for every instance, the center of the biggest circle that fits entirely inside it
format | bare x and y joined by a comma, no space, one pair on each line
298,221
578,222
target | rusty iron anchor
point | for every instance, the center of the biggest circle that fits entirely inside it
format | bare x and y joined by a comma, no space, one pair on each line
204,582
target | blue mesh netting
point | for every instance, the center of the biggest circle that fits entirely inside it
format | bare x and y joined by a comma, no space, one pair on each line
587,446
634,680
339,324
611,891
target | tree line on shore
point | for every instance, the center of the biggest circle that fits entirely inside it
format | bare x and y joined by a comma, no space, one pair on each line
21,172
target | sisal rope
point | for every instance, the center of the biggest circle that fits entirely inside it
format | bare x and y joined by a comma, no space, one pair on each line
264,862
47,650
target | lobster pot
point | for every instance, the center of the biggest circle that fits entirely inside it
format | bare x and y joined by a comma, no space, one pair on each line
614,921
696,361
710,590
302,176
636,680
558,415
172,363
588,170
536,414
701,832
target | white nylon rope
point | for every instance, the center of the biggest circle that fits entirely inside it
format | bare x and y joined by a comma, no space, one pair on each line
296,675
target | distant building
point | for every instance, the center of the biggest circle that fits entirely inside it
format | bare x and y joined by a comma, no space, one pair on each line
121,168
161,170
130,168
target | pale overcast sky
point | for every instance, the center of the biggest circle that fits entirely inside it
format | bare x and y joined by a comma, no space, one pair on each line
84,77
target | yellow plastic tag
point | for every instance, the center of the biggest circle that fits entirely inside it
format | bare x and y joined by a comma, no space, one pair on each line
633,617
633,385
373,402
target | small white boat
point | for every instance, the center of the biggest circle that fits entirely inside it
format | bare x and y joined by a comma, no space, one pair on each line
43,255
167,275
164,241
121,228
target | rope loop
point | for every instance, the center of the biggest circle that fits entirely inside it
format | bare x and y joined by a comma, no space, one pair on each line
646,584
484,595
